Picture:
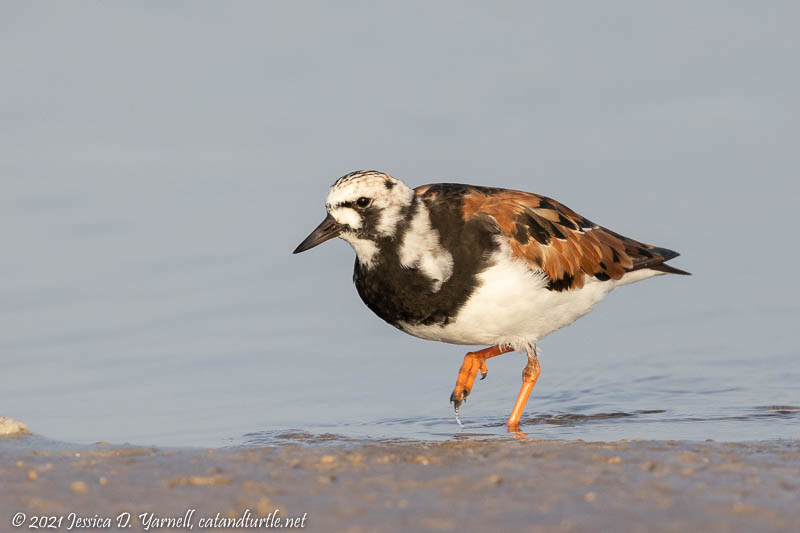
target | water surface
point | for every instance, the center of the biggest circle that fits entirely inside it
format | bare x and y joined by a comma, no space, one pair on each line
153,189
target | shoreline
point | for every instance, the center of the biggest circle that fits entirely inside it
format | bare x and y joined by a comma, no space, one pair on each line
513,484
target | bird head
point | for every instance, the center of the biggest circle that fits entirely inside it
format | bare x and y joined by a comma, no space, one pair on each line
363,207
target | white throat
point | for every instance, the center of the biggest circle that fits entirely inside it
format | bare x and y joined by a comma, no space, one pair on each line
366,250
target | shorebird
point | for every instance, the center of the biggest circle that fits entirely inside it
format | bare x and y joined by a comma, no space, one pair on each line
472,265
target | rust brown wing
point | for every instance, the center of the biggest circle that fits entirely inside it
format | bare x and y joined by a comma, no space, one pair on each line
555,239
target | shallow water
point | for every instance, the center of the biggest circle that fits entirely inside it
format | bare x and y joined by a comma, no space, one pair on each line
148,212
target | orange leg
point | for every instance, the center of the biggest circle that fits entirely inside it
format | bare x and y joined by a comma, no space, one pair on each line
473,362
529,376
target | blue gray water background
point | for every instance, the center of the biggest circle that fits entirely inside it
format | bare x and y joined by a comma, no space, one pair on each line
159,162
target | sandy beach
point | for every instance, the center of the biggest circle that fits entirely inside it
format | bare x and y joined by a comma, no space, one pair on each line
325,484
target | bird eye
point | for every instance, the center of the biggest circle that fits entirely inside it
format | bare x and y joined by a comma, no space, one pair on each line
362,202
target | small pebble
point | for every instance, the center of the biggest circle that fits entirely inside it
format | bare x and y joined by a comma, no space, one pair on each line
79,486
494,480
9,426
649,466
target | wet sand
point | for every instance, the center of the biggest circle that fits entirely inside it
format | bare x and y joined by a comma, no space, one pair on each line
513,484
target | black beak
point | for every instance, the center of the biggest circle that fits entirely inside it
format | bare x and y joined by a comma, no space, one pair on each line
325,231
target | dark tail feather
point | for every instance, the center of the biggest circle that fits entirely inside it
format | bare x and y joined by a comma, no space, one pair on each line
655,259
663,267
670,269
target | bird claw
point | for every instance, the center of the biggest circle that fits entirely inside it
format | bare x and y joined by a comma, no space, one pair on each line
457,400
484,369
466,377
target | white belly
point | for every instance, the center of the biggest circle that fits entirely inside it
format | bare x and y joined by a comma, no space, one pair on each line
512,306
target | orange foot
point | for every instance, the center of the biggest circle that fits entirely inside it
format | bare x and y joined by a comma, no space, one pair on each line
473,362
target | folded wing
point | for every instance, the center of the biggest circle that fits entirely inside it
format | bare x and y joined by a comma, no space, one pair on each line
552,238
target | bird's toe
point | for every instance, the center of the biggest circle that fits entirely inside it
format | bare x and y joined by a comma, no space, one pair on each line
457,398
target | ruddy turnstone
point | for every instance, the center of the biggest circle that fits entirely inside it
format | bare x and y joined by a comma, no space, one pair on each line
474,265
